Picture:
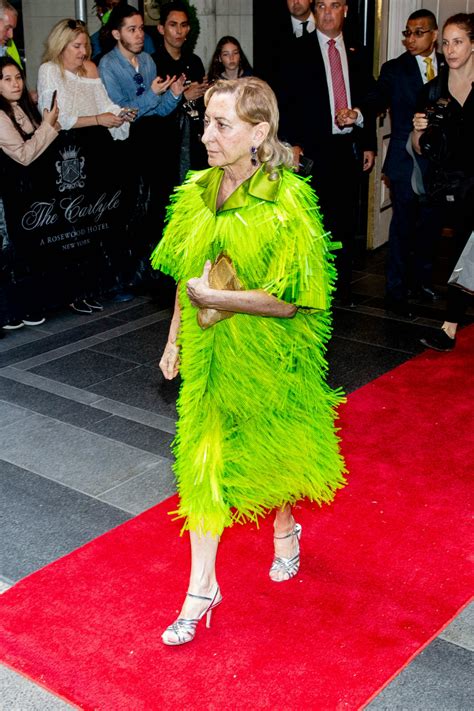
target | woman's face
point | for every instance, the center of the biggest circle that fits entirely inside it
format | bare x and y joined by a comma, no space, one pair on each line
230,57
227,138
457,46
11,83
75,52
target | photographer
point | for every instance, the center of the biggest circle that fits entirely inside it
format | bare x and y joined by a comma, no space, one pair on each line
443,133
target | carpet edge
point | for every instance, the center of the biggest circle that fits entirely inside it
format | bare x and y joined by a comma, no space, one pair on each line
415,654
26,676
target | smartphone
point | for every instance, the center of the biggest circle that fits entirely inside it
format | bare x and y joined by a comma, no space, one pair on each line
53,99
305,166
128,111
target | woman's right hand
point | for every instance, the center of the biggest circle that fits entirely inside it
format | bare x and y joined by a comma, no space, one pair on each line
109,120
169,363
420,122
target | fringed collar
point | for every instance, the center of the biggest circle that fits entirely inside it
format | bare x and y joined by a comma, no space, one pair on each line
258,185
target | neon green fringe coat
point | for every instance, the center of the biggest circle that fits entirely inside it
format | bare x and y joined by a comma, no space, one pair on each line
256,417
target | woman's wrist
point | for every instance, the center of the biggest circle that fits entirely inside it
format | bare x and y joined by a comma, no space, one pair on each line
97,119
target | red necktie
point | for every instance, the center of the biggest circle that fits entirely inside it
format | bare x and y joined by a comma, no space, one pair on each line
338,84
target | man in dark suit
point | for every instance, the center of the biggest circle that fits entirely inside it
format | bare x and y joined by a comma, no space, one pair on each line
288,20
301,18
323,76
414,227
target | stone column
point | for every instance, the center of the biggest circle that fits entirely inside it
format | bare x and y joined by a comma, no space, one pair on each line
223,17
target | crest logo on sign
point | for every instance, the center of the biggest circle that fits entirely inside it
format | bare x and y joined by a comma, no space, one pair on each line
70,170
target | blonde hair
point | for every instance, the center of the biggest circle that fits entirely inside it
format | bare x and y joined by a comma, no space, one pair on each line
255,102
64,32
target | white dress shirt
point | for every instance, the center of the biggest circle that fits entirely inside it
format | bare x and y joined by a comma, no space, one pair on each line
298,25
340,46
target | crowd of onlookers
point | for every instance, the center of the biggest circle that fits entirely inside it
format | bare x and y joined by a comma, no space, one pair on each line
147,92
150,99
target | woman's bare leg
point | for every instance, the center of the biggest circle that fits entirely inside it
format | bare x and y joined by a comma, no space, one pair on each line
203,589
202,580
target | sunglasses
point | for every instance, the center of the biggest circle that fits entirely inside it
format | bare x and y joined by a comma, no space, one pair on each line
417,33
74,24
139,81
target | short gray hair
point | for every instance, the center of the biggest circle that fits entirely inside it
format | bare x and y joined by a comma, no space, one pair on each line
6,7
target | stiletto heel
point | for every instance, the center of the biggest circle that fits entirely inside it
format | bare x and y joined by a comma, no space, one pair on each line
288,566
184,630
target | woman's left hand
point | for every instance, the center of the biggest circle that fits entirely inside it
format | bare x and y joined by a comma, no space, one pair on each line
198,289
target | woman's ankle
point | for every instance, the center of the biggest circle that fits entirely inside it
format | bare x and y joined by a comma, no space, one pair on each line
202,585
284,523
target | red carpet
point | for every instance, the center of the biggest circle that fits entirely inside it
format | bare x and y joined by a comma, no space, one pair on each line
384,570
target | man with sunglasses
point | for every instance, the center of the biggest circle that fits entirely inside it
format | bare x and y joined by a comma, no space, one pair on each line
413,228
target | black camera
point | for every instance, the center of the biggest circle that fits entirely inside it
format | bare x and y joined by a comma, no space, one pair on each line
438,113
436,140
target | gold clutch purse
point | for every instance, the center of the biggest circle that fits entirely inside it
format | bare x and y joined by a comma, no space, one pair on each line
221,276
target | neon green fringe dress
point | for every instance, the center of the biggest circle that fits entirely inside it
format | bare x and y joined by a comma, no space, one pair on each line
256,417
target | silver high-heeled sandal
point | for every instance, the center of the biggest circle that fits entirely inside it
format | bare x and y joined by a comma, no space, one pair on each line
289,566
185,630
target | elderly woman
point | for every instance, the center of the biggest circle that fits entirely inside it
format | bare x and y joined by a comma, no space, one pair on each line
68,73
256,426
455,160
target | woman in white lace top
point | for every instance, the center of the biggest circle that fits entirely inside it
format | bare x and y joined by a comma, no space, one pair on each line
81,96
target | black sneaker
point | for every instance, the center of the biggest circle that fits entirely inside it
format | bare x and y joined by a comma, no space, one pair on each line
80,307
399,307
13,325
121,297
34,320
424,293
93,304
439,341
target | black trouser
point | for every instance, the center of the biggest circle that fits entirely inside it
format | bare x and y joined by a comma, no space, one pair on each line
460,216
336,180
414,233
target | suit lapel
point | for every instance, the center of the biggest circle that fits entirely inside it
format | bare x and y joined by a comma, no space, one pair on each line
413,74
352,66
319,71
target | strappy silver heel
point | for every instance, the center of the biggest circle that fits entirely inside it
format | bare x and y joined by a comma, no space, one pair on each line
289,566
184,630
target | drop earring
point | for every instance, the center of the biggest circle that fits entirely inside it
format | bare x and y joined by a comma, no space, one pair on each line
253,156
